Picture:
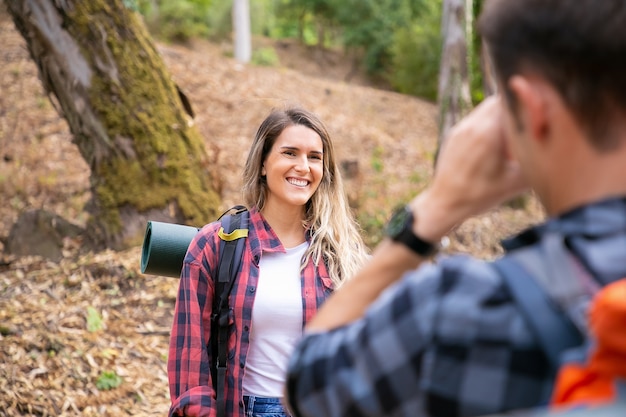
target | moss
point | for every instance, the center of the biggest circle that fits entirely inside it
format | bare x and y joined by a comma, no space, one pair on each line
153,156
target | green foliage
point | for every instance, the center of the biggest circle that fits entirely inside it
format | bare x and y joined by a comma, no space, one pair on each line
177,20
144,7
416,55
313,22
220,23
373,226
131,4
265,57
476,74
108,380
263,18
368,26
4,330
94,320
399,40
377,159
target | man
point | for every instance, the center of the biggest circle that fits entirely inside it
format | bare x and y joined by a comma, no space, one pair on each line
447,339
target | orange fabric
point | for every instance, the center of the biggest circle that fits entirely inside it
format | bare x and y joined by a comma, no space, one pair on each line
608,317
593,383
577,385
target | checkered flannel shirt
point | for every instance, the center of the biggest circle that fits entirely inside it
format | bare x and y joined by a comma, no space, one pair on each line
189,359
447,340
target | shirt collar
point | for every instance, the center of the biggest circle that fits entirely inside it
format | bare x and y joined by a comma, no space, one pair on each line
268,240
593,220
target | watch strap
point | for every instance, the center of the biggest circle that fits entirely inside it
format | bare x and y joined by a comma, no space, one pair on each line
407,237
417,244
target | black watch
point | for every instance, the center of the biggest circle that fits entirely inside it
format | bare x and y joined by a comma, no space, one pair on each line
400,229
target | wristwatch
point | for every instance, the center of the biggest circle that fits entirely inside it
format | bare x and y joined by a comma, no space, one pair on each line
400,229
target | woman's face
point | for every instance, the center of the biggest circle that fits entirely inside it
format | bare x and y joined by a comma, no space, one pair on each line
294,167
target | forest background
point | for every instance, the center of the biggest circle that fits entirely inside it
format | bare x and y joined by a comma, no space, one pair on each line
87,333
377,36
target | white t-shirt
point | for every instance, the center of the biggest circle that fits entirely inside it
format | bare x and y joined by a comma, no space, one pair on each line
276,322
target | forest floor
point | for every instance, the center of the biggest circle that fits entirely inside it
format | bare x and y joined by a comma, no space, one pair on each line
88,335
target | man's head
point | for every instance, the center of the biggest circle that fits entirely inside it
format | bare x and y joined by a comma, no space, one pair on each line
576,46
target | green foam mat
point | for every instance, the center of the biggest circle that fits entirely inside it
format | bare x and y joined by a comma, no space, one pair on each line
164,248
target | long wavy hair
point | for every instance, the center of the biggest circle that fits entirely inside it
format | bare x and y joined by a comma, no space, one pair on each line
335,235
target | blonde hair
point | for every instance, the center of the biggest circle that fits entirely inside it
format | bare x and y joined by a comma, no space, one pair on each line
335,234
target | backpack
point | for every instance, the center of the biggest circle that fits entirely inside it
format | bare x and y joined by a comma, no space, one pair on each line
233,232
163,252
601,378
559,320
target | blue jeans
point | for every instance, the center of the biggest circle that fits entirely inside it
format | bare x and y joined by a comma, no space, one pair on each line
263,407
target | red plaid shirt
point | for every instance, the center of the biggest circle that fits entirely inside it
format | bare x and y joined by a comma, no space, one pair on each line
188,366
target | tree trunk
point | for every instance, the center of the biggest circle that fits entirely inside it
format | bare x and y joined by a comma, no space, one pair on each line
241,27
105,77
454,85
490,85
487,78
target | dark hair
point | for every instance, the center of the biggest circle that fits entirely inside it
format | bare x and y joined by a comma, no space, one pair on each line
579,46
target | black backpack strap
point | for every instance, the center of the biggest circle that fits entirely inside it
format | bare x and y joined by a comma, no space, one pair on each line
232,234
554,331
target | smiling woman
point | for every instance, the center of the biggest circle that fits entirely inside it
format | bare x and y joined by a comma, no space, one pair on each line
293,170
302,244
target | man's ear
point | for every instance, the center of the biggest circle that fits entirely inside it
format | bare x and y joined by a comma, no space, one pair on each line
531,106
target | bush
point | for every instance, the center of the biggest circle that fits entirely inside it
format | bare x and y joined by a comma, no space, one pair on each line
179,20
265,56
416,55
220,20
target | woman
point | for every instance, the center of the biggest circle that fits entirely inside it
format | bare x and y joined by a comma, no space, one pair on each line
302,243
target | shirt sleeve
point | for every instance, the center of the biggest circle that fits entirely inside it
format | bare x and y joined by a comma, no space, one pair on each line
191,388
419,349
366,368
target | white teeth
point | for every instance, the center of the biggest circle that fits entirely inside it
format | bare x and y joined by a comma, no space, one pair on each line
299,183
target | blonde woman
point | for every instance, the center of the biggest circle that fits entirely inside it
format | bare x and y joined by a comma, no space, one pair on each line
303,242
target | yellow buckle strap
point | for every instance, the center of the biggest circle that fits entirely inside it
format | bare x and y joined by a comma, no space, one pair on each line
234,235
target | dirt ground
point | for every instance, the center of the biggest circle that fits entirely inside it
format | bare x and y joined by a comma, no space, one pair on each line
68,327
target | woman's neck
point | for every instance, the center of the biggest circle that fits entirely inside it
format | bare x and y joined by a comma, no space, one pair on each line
287,224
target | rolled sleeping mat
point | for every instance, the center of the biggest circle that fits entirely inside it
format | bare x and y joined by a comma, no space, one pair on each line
164,248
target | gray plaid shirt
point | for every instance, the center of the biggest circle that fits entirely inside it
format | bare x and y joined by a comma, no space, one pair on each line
448,340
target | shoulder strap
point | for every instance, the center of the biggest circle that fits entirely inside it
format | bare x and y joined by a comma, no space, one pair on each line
554,331
561,275
232,235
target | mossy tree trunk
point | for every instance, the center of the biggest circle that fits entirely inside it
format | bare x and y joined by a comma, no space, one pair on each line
101,70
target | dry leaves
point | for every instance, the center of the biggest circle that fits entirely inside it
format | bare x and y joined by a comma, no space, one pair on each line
53,360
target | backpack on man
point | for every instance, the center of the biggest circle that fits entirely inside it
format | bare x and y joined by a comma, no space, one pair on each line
557,296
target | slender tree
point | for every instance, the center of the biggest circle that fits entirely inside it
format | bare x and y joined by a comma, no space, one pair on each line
487,77
241,27
454,96
99,67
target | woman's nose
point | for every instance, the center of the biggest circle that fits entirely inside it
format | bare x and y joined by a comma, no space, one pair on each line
302,165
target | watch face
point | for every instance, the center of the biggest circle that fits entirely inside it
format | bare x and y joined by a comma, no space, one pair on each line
398,221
